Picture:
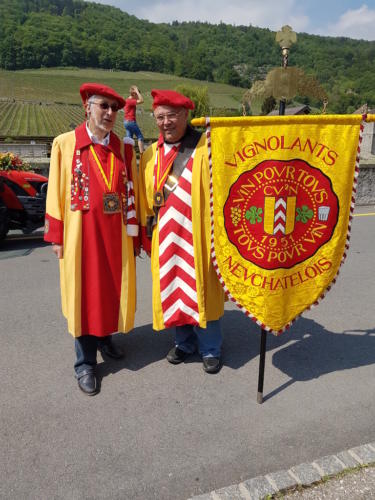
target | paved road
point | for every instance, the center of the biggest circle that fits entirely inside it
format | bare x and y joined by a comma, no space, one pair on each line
158,431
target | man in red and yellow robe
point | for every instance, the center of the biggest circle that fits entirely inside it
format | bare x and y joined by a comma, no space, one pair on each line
175,206
91,222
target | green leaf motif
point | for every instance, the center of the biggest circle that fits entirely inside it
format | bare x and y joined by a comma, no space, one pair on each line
254,215
304,214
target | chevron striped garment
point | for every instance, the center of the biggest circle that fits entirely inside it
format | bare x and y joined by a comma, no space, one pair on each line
176,255
132,228
130,217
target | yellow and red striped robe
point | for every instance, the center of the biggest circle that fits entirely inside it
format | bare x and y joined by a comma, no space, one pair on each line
210,296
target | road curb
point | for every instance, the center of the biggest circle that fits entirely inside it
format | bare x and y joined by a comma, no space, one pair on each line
304,474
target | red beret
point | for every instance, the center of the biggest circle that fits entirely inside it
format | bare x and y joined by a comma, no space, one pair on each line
171,98
88,89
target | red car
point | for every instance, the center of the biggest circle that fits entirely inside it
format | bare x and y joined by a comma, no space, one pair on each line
22,201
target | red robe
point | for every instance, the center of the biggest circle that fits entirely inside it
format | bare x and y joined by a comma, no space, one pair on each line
98,268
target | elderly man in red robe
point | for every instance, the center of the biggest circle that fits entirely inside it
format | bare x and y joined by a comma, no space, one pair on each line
91,221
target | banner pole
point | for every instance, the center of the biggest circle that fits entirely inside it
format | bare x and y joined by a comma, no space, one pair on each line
262,360
282,107
263,338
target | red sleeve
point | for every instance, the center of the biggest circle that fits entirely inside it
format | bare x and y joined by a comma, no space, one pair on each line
53,230
128,155
136,242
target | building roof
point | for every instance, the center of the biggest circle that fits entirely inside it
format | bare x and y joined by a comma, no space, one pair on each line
364,109
297,110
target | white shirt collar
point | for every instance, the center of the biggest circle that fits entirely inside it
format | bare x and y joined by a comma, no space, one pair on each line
168,146
95,140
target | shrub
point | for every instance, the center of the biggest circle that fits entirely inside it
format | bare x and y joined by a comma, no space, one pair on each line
199,95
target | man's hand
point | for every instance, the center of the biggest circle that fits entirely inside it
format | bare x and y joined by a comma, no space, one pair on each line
58,250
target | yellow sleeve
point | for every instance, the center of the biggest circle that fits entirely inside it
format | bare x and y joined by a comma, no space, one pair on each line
145,210
55,204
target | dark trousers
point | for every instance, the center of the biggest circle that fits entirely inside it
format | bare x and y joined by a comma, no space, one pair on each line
86,348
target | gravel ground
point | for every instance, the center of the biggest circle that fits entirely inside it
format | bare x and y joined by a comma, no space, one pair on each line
356,485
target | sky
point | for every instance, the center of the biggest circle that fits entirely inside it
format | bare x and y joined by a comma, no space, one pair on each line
350,18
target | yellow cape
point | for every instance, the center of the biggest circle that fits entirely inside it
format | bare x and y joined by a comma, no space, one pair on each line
58,207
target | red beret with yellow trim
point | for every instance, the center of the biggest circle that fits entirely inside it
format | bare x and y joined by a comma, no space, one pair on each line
171,98
88,89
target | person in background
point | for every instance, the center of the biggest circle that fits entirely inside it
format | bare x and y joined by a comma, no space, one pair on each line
175,230
130,121
92,224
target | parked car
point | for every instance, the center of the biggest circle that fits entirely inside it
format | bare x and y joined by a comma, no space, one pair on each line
22,201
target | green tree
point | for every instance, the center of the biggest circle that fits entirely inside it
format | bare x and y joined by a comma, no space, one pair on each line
199,95
268,105
77,33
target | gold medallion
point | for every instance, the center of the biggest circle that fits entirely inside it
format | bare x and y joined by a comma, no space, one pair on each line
158,199
111,203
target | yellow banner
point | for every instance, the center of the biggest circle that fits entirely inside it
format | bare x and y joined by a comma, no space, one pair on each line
282,192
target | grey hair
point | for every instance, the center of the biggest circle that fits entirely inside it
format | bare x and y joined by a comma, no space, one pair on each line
92,98
90,101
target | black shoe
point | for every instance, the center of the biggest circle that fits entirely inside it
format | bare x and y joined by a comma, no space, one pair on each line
87,383
211,365
176,356
111,350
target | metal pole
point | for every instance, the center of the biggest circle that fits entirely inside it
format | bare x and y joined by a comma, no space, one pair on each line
286,37
282,107
263,338
262,360
285,52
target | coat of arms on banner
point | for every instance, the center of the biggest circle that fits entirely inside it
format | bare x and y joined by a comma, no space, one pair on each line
282,201
280,213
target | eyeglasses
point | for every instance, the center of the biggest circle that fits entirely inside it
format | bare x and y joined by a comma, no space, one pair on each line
106,105
170,117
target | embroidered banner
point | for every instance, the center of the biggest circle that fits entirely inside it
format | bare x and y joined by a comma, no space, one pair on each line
282,199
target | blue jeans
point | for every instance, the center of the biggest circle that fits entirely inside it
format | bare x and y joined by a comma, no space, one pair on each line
208,340
132,129
86,348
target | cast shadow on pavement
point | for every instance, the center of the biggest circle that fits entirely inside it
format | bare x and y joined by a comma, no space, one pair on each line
313,351
144,346
304,352
21,246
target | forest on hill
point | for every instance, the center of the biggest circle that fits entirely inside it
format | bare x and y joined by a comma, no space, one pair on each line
74,33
